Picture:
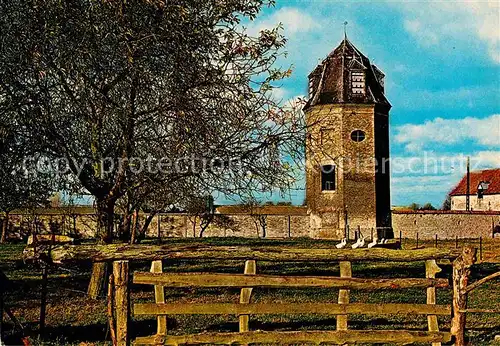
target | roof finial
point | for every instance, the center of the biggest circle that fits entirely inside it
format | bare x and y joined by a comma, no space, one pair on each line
345,29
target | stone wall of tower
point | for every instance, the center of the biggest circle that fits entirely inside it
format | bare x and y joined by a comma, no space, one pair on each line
329,142
324,146
359,168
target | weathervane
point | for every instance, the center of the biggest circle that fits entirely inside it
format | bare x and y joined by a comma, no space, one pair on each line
345,29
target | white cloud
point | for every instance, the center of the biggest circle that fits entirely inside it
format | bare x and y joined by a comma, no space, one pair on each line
294,21
279,94
445,132
424,183
427,38
432,23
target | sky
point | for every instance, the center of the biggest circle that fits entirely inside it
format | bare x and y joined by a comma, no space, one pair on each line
442,67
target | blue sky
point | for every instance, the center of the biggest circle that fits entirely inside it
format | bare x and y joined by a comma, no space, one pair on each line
442,66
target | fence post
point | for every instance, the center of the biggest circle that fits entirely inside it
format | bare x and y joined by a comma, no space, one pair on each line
289,226
431,269
158,225
481,248
345,272
461,272
43,298
157,267
2,285
417,240
122,302
246,293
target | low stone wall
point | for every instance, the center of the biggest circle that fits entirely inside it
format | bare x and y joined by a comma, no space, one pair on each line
22,225
428,224
170,225
445,224
237,225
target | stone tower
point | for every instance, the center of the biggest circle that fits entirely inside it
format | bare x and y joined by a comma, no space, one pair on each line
347,151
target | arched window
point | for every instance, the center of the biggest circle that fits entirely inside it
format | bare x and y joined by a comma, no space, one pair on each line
327,178
358,135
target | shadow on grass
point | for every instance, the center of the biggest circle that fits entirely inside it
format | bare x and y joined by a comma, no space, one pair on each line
61,334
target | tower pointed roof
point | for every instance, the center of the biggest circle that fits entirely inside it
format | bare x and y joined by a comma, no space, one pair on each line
332,80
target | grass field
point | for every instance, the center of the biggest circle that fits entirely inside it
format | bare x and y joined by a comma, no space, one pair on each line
73,319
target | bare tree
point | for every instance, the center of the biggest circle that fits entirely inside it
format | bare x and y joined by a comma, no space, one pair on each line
21,186
255,209
113,87
200,209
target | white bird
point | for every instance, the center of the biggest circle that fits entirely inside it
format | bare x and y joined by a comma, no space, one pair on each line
342,244
359,244
373,243
382,241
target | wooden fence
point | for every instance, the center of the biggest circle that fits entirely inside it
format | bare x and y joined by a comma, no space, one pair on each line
250,280
120,255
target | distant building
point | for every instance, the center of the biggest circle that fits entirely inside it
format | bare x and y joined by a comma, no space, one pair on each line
484,191
347,146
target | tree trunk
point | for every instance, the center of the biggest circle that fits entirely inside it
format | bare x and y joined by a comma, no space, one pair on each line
205,221
105,220
5,227
148,221
194,226
135,226
461,274
124,231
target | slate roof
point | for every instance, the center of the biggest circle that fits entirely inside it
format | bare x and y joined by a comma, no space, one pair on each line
331,79
491,176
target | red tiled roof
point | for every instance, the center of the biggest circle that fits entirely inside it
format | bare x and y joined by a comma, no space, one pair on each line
492,176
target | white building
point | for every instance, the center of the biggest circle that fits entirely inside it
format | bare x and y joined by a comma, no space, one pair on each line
484,191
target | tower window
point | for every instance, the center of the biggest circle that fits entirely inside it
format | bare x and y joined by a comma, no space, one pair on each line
311,88
358,82
358,136
327,178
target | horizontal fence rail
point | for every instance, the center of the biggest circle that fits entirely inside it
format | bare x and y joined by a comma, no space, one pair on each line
337,337
116,252
289,308
242,280
250,280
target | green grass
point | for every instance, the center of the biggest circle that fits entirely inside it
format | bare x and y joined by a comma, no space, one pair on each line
73,319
